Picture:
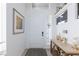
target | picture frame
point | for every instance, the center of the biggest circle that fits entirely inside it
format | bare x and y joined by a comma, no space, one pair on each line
18,22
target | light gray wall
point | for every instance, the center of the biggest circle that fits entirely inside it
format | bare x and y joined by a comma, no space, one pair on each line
27,24
15,43
73,22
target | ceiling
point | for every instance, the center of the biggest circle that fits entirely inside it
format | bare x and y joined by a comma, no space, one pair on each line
44,5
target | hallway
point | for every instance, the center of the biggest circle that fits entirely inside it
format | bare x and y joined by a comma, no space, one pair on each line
41,29
36,26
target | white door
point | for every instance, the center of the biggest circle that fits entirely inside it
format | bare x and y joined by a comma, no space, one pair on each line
39,28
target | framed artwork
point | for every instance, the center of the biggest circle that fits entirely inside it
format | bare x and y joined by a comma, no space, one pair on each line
18,22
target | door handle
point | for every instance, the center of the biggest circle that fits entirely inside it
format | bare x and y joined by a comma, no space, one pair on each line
42,34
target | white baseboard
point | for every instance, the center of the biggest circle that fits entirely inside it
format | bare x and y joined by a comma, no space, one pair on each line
48,52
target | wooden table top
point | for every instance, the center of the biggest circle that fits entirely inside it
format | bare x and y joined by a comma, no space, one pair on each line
67,48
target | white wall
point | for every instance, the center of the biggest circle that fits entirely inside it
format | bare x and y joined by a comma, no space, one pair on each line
27,24
73,22
15,42
54,29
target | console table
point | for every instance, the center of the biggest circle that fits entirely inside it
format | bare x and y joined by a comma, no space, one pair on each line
66,48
